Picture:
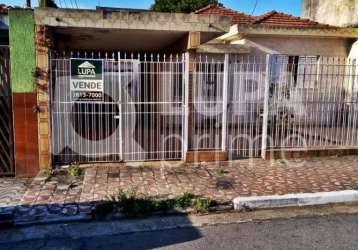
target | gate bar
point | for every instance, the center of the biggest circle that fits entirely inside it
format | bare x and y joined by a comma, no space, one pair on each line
120,108
266,107
225,101
186,105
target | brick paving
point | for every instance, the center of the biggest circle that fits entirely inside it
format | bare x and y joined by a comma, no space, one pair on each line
226,181
52,199
64,197
11,192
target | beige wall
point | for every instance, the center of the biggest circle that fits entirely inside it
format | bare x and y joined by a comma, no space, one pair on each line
296,46
354,50
333,12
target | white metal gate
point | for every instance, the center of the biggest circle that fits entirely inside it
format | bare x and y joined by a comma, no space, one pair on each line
245,106
140,117
228,104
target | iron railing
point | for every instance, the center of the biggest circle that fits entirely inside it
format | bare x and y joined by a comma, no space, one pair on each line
157,107
6,128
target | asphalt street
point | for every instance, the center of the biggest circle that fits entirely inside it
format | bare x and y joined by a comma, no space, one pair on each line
327,232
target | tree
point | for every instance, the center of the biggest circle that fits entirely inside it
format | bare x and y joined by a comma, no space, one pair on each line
184,6
47,3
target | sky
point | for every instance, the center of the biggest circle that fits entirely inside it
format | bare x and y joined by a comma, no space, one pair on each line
292,7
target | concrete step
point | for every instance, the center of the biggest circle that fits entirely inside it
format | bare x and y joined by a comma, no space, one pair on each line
205,156
294,153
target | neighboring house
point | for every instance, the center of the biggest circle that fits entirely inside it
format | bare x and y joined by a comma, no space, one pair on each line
280,33
172,84
334,12
299,43
342,13
4,25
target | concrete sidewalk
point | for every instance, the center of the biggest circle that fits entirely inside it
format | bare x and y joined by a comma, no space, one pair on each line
62,199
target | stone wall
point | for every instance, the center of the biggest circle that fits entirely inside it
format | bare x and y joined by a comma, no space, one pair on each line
333,12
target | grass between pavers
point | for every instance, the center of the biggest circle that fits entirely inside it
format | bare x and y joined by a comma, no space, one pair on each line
135,204
73,171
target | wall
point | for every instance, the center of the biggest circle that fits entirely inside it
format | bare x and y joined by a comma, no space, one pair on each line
333,12
297,46
131,20
22,50
354,50
22,59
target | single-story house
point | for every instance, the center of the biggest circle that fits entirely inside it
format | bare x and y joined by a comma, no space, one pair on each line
114,84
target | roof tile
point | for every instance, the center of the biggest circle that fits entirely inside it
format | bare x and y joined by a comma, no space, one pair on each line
279,19
4,9
237,17
271,19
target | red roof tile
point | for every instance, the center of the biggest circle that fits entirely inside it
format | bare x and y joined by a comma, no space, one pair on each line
271,19
4,9
237,17
279,19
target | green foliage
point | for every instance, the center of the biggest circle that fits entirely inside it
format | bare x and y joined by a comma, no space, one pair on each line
47,3
221,171
74,169
103,209
48,174
201,204
182,6
184,200
134,204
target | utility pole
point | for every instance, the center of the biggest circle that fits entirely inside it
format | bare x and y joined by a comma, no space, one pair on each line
27,3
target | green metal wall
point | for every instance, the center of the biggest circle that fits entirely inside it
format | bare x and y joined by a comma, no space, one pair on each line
22,50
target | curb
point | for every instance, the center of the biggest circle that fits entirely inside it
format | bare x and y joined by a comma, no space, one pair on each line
291,200
157,223
53,219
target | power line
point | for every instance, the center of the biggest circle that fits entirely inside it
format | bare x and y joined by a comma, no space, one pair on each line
256,2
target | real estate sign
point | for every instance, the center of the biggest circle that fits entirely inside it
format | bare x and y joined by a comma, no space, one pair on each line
87,80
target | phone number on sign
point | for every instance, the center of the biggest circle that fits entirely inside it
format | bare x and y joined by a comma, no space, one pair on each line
86,96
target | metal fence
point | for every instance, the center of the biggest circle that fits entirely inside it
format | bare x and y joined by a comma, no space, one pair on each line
156,107
139,118
228,104
312,102
207,104
6,136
